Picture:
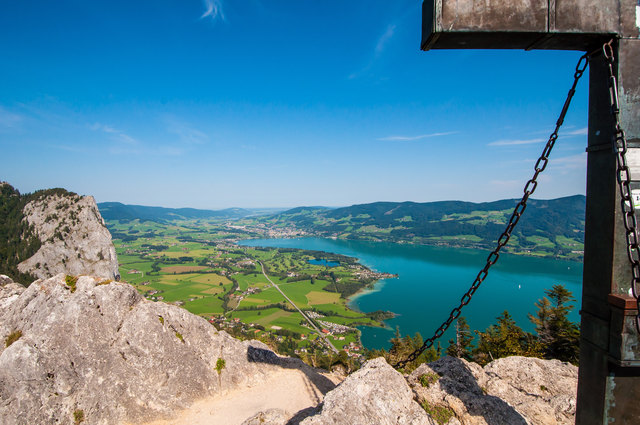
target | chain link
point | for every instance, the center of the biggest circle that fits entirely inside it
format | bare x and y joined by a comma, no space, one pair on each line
623,176
519,209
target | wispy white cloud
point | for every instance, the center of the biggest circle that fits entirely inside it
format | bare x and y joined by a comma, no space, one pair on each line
68,148
9,119
571,162
381,45
103,127
116,135
515,142
411,138
125,138
186,133
213,10
384,39
579,132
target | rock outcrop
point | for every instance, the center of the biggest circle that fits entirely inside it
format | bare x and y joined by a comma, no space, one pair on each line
73,235
97,350
9,291
510,391
100,350
376,394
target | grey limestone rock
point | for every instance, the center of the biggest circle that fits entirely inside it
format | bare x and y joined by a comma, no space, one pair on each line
9,290
374,395
106,351
5,280
73,235
510,391
543,391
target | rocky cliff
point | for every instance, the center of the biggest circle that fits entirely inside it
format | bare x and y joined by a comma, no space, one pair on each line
98,350
89,350
449,391
510,391
74,239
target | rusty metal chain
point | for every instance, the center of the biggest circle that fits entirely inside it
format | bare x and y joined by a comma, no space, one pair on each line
624,180
529,188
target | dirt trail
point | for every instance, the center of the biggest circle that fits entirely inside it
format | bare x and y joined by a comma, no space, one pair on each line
291,390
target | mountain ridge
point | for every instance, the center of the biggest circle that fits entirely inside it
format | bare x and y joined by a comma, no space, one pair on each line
120,211
547,227
53,231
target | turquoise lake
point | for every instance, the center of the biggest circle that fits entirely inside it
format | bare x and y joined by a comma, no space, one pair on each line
431,281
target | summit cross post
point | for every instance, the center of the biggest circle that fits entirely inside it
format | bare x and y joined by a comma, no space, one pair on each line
609,373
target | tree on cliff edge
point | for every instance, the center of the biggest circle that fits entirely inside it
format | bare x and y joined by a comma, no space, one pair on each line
462,347
559,337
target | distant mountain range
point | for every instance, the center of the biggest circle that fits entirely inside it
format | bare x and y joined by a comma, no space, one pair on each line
119,211
548,227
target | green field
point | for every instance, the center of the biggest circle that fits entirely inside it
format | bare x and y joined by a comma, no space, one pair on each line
198,266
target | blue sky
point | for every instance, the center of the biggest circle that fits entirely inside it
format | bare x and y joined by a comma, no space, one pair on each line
258,103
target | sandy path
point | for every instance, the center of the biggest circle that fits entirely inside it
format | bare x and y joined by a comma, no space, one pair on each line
288,389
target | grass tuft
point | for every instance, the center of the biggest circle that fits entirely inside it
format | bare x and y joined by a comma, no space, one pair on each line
71,282
440,414
78,416
426,379
12,337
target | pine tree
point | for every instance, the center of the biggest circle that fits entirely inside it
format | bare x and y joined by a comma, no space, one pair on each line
402,347
463,345
504,339
559,337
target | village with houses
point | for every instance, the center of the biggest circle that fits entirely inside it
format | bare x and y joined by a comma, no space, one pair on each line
204,268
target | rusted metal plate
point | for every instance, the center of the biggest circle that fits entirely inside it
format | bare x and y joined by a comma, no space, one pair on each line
494,15
585,16
624,347
624,302
621,397
518,24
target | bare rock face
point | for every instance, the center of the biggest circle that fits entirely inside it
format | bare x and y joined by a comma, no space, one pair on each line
9,291
102,351
510,391
73,235
374,395
543,391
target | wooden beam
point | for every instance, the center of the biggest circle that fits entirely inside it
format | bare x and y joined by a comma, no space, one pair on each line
519,24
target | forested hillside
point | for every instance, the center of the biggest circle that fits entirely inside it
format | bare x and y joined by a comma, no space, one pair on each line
548,227
119,211
19,241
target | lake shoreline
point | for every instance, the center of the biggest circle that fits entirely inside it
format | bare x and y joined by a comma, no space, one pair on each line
443,244
432,279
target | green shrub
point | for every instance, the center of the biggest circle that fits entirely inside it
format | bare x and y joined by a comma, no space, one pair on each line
71,282
161,319
12,337
220,364
426,379
179,336
78,416
440,414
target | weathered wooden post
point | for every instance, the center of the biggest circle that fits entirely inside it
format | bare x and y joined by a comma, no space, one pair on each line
609,375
